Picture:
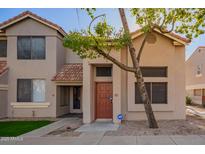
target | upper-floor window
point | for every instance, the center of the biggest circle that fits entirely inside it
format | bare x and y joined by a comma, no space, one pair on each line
31,47
29,90
103,71
3,48
199,70
154,71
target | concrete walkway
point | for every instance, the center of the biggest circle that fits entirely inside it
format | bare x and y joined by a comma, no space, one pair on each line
194,111
98,138
49,128
98,126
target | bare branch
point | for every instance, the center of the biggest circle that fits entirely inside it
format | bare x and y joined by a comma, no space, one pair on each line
162,25
142,46
89,28
115,61
165,31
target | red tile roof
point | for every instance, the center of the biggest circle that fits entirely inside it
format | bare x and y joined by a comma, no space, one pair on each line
3,67
70,72
30,14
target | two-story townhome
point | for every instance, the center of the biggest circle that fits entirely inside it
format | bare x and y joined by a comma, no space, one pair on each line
32,48
41,78
195,76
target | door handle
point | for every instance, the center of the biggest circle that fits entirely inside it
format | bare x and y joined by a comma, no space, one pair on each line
110,99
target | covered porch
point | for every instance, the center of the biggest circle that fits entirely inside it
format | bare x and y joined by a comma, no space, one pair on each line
69,90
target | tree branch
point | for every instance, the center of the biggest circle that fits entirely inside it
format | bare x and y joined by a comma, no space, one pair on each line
115,61
142,46
107,55
89,28
165,31
165,15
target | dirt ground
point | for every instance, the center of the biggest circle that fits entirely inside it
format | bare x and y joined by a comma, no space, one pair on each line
68,129
193,125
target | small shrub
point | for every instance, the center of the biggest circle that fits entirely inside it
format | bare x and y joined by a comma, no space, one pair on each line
188,100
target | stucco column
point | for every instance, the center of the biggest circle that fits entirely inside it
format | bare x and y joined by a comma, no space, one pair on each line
87,91
116,93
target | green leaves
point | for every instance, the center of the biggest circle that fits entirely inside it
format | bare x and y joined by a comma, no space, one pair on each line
80,44
84,44
102,29
101,36
187,21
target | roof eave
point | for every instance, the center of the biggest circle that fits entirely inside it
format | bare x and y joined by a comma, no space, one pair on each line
59,29
139,33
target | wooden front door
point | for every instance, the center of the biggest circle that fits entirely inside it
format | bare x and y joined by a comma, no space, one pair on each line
104,100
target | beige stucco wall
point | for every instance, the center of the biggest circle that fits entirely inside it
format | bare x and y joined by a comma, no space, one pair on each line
161,53
33,69
60,53
194,81
3,103
61,110
89,81
3,95
72,57
191,67
4,78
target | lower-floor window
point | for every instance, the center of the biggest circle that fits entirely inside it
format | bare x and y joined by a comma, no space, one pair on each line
29,90
157,92
197,92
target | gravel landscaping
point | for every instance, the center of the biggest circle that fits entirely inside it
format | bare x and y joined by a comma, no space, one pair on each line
193,125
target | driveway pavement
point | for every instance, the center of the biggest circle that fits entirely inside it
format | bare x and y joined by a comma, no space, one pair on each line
98,138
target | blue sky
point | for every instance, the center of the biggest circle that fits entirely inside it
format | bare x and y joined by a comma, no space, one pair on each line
76,19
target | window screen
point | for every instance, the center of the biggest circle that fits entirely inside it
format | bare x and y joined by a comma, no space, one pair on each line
138,99
38,48
24,48
24,90
159,93
31,47
29,90
38,90
3,48
154,71
103,71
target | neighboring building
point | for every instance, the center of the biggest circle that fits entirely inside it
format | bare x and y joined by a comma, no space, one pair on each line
41,78
195,76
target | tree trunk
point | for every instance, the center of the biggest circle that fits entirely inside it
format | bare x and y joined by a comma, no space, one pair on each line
138,75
